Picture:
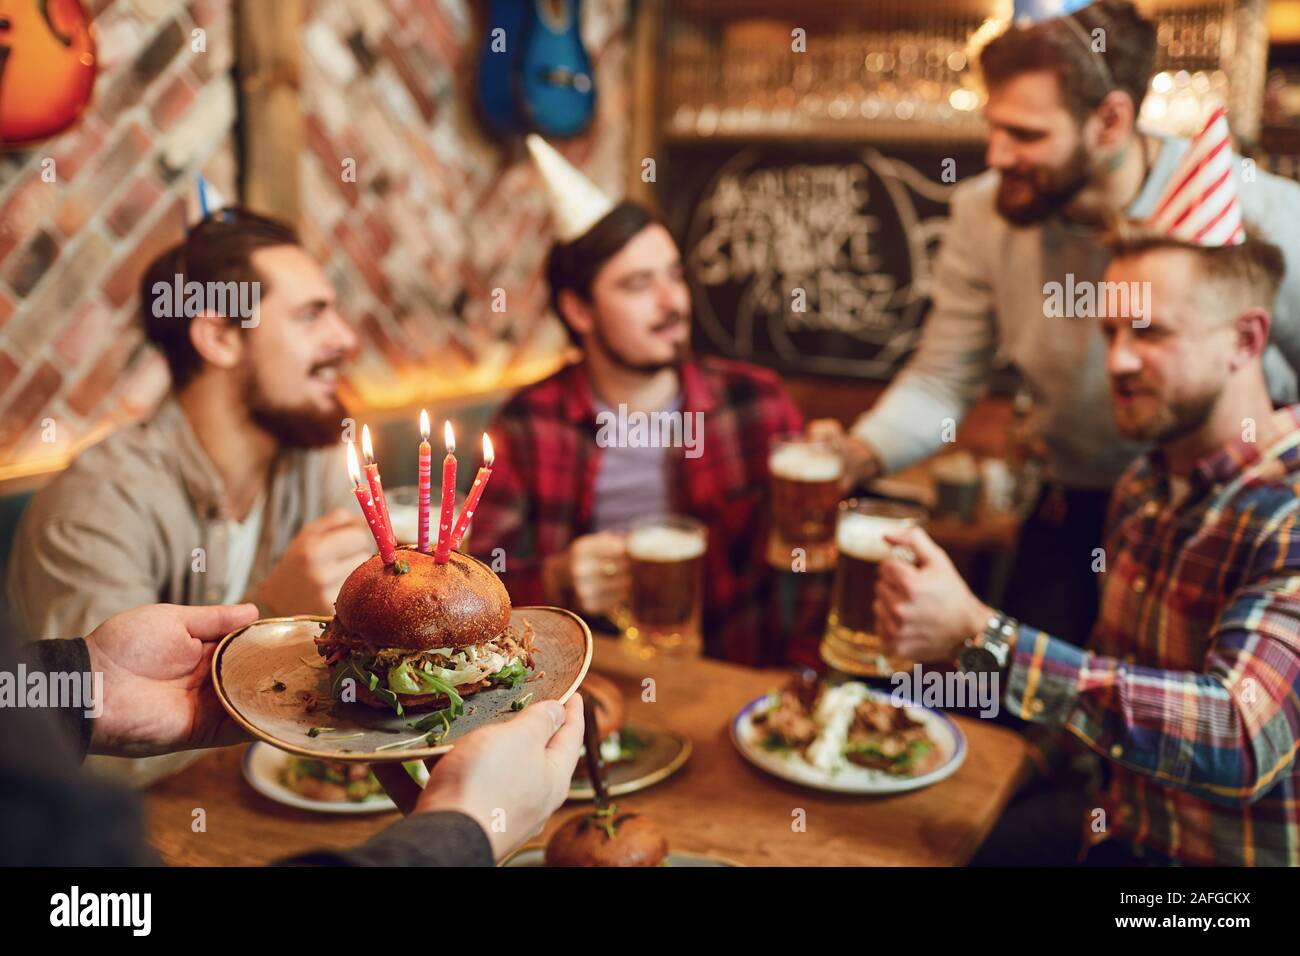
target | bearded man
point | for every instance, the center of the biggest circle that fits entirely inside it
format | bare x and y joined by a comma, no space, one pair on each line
1065,153
235,489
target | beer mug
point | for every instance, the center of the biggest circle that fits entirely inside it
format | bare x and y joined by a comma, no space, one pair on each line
665,556
852,643
805,479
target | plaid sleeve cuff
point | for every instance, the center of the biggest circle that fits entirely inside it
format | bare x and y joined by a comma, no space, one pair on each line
1045,678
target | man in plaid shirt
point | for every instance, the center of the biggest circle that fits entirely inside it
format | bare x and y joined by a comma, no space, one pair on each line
561,493
1189,687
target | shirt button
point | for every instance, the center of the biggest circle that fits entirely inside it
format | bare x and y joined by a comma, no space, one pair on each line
1139,585
1036,705
1150,508
1117,751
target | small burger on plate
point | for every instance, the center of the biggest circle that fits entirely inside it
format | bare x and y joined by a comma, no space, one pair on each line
421,636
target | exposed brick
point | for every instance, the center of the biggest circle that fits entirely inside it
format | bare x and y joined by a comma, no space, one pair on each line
378,233
82,332
9,369
133,206
95,385
331,162
6,308
155,57
205,12
74,213
173,101
415,80
77,147
31,262
364,261
122,283
28,400
79,269
23,211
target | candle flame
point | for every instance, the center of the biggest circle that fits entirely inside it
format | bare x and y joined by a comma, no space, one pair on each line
449,438
424,425
354,468
488,456
367,448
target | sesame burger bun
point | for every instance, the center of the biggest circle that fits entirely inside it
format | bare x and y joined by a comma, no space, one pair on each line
432,605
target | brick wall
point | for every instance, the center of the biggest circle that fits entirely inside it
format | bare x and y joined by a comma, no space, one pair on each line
74,234
438,215
437,218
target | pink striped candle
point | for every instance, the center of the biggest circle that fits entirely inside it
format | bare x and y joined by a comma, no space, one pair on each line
443,551
475,493
426,465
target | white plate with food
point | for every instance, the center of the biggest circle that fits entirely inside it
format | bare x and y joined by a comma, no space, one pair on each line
322,786
848,738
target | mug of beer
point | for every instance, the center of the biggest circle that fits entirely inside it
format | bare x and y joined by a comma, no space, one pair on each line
805,480
852,644
665,556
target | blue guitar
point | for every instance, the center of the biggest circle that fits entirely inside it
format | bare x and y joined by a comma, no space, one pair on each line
556,85
506,33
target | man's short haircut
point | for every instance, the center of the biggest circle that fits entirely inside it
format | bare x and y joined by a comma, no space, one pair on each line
575,265
1249,275
1065,49
220,248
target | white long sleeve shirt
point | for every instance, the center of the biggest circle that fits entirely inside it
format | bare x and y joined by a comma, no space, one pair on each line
988,298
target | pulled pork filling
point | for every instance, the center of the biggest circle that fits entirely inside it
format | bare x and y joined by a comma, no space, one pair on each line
389,672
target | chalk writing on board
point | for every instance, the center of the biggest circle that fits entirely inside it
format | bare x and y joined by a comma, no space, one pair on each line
820,266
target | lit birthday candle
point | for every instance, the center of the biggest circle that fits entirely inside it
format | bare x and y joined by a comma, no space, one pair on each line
376,485
443,551
426,463
475,493
386,550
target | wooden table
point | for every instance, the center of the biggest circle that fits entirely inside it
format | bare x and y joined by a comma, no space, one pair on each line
717,804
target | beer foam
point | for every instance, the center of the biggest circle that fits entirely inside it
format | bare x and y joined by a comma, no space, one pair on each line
664,543
863,536
805,463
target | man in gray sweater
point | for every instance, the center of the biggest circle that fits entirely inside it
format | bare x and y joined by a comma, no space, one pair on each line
1065,153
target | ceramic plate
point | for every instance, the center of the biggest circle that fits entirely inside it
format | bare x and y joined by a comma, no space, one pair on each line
263,765
851,779
253,661
664,753
536,856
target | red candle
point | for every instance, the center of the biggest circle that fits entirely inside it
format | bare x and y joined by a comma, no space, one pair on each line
426,464
376,485
475,493
386,549
443,551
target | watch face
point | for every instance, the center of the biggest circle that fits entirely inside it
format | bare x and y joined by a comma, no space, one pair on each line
977,660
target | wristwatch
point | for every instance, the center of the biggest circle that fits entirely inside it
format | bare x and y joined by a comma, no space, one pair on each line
989,650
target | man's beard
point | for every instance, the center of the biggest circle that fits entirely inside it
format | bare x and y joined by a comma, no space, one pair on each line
1052,189
630,363
293,427
1173,420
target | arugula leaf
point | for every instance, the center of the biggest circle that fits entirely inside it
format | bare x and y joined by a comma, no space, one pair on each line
511,675
405,679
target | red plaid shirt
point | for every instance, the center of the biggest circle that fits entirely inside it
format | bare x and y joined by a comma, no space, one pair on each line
1190,684
543,489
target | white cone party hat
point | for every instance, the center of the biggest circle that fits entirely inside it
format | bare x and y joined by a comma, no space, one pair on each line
577,203
1200,204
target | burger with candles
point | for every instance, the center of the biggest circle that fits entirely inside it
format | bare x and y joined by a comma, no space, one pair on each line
422,635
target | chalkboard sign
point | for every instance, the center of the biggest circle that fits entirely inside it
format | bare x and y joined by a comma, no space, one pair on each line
812,259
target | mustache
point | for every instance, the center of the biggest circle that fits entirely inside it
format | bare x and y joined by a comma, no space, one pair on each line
668,321
336,361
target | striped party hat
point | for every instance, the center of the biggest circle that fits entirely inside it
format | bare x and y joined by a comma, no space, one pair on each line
1200,205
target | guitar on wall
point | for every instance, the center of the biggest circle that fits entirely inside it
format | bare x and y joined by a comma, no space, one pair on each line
47,68
535,73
